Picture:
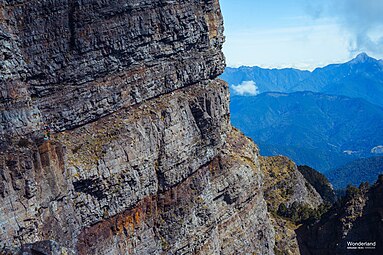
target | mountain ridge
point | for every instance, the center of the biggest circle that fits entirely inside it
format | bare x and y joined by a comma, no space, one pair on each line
310,127
361,77
362,169
359,58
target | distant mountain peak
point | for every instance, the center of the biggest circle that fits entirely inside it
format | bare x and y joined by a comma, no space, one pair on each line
361,58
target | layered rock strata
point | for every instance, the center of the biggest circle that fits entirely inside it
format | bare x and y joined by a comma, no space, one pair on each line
77,61
217,210
142,158
94,190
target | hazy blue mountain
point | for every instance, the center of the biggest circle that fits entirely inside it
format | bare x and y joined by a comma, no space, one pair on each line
280,80
361,77
364,169
315,129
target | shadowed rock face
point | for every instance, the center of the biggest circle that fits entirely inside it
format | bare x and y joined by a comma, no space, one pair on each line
142,159
358,217
319,182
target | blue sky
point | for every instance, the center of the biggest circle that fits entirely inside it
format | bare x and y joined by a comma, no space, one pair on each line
301,33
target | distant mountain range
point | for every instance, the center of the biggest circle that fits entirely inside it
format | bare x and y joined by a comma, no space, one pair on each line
361,77
322,131
324,119
278,80
363,169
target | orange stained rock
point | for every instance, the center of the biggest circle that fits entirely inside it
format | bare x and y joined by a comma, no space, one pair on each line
119,225
137,217
129,223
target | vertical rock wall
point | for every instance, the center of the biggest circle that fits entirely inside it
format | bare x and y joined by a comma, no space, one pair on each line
142,158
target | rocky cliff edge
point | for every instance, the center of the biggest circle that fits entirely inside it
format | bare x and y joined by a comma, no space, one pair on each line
115,136
141,158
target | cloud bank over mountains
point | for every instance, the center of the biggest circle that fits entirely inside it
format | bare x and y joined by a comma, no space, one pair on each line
246,88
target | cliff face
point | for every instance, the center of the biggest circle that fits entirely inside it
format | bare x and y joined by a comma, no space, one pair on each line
142,158
71,62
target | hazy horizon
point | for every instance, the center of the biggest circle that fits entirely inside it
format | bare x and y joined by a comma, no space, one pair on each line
302,69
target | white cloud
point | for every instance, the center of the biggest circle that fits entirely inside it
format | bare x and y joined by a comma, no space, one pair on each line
246,88
362,19
377,149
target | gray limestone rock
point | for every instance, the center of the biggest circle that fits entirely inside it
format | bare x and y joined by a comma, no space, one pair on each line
142,158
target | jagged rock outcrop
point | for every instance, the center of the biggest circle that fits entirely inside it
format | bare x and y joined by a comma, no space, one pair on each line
358,217
285,187
142,158
285,184
320,183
